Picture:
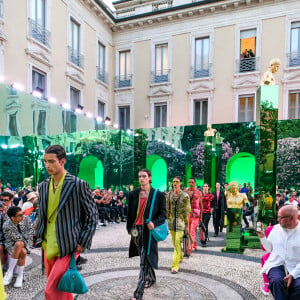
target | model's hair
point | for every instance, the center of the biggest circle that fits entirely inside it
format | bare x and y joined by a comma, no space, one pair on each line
146,171
179,178
192,178
7,194
58,150
12,211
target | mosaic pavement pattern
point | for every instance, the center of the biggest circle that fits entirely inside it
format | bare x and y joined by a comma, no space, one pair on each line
110,274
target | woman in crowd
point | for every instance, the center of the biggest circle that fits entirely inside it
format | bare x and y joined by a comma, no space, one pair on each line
178,209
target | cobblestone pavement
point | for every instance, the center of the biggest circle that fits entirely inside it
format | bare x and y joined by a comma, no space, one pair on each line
110,274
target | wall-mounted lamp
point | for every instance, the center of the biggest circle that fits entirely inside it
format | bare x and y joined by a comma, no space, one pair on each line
107,121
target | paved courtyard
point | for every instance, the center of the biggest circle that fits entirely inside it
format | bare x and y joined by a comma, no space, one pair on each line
110,274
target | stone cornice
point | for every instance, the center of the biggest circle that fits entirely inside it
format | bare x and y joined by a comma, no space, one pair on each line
193,9
100,11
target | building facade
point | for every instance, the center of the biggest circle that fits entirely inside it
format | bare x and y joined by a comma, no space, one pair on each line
152,63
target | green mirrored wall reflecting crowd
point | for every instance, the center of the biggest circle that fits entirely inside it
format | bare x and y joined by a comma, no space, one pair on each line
108,157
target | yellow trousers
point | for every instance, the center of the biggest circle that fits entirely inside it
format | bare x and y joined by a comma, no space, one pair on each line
2,291
177,255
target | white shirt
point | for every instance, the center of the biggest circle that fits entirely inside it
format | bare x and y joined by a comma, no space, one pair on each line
294,203
26,205
284,245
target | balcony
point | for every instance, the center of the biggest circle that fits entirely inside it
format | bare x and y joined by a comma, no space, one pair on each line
162,5
293,59
75,57
201,71
39,33
160,76
123,81
125,13
247,64
101,75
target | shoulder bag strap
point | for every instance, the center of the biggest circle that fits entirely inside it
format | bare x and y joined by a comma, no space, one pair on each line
149,220
151,207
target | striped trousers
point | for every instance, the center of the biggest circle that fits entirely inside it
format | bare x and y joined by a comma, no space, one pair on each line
147,274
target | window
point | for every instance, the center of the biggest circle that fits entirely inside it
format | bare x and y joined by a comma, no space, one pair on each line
101,63
200,111
124,117
294,105
160,115
295,45
1,9
247,51
246,109
13,128
41,127
70,121
101,109
39,82
201,63
124,69
74,50
38,22
74,98
161,63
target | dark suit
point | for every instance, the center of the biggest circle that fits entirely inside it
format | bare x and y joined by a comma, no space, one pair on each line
140,247
77,214
218,211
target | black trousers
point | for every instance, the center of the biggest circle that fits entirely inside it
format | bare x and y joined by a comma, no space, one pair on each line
206,218
147,274
218,223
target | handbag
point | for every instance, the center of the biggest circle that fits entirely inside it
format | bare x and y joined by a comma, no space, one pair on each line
72,281
187,242
160,232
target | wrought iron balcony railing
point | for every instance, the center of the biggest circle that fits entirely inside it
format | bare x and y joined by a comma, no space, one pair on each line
123,81
293,59
125,13
162,5
101,75
75,57
201,71
39,33
247,64
160,76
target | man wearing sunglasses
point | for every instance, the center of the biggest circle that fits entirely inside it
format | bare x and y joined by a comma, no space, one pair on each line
284,245
18,238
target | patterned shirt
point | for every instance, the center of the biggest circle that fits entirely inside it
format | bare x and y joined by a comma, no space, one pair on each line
206,201
178,209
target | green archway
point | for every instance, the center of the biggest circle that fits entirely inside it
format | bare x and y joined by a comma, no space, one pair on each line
159,170
91,170
241,168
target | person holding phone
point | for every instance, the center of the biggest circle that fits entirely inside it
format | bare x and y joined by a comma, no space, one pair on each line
284,245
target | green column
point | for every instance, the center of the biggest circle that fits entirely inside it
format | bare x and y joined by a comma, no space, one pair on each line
265,150
139,148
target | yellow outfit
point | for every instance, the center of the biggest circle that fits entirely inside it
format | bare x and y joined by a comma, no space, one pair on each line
236,201
50,242
177,255
2,291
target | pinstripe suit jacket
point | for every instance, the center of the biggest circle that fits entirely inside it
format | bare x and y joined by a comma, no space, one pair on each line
77,214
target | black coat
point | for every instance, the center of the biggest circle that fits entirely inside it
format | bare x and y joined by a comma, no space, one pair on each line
221,204
158,217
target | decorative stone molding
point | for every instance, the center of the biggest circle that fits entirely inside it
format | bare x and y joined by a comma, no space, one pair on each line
124,97
201,85
40,56
246,80
160,91
75,76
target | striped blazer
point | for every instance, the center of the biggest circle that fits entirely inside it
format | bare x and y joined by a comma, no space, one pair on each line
77,214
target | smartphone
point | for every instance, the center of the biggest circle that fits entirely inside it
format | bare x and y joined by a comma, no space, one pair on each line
258,226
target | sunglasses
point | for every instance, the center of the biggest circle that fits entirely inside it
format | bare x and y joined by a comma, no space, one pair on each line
176,181
5,200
